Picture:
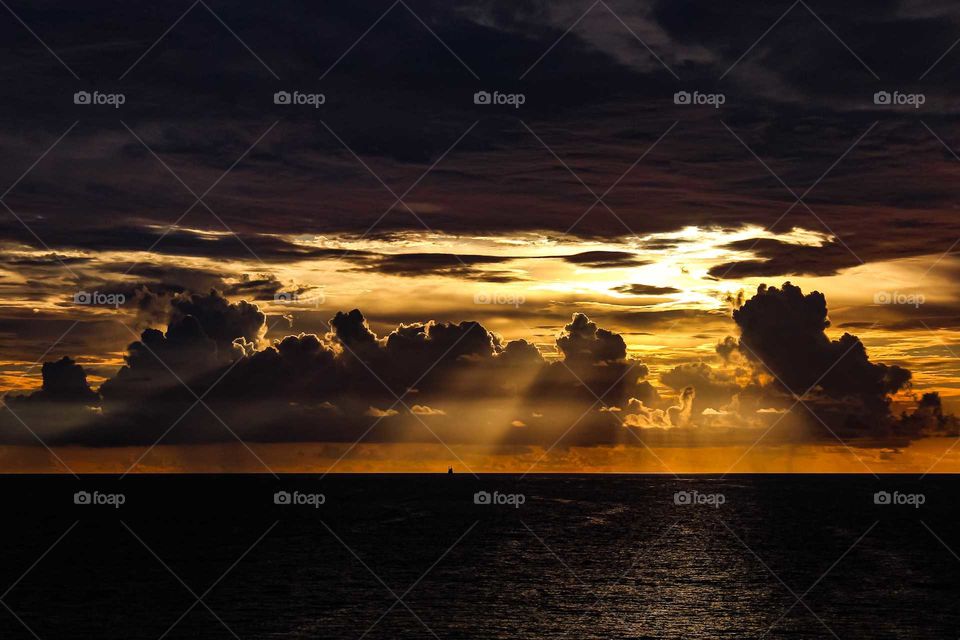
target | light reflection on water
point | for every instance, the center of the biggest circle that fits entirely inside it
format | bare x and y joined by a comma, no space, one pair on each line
583,557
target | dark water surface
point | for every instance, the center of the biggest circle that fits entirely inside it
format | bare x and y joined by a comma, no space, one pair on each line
413,556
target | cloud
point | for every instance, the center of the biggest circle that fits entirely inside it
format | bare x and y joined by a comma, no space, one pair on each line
714,388
424,410
929,418
380,413
441,264
605,259
63,403
641,416
99,192
727,348
646,290
328,388
783,332
584,342
64,381
222,320
497,178
320,388
778,258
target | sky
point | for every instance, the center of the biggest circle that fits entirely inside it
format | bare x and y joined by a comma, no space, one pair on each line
526,237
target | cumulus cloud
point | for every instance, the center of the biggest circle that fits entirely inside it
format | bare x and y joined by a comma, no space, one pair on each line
229,325
469,382
714,387
644,417
64,402
64,380
783,331
329,387
584,342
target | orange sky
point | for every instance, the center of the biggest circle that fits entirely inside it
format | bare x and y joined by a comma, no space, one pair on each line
934,455
535,306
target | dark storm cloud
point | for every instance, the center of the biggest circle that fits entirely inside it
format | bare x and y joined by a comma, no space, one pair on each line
64,402
310,387
783,331
225,322
400,100
585,342
798,99
332,387
64,379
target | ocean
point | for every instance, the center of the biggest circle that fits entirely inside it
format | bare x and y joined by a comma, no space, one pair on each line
453,556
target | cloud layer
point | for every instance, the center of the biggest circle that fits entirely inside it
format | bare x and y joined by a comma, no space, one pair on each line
211,376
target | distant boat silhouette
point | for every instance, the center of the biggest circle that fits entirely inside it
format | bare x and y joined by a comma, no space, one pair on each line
449,471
